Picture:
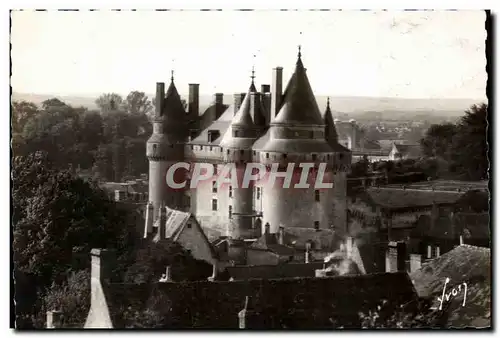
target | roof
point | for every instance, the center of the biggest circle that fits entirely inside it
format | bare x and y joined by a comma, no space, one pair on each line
297,238
277,303
472,226
299,104
464,264
246,272
173,103
221,124
404,198
410,150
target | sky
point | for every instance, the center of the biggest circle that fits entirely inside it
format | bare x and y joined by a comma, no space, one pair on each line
417,54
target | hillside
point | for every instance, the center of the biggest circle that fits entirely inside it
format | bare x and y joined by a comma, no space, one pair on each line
362,107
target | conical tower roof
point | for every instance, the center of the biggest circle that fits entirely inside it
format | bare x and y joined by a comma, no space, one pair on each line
243,117
299,104
173,102
330,131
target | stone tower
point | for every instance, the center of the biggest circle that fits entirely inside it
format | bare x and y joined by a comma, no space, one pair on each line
246,126
297,136
164,148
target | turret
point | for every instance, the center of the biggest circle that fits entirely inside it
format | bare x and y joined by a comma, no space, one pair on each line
296,138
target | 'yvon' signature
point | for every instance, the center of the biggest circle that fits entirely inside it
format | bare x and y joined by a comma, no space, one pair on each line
454,292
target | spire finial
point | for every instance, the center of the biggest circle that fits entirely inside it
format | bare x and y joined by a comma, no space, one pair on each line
172,71
328,101
253,69
300,45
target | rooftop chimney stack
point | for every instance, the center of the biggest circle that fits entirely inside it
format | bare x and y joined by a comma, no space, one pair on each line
281,236
238,100
194,99
395,257
349,243
267,228
266,102
160,98
276,91
215,271
219,98
101,273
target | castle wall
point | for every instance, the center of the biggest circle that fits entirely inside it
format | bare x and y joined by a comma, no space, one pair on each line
340,202
214,222
297,207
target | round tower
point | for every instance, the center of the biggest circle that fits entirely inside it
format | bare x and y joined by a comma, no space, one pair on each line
296,139
165,147
236,145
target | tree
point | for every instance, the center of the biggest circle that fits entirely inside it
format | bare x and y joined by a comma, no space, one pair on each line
109,102
137,103
469,145
72,297
56,217
437,140
21,112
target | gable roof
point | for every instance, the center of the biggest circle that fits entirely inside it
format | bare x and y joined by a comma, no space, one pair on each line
410,150
464,264
289,302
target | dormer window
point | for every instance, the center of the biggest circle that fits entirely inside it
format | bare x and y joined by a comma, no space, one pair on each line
267,155
213,135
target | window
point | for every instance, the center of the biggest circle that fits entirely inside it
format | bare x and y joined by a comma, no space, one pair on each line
258,193
341,156
154,147
214,186
214,204
254,152
316,225
311,134
228,151
230,191
189,225
284,155
314,157
316,195
230,211
242,152
267,155
210,148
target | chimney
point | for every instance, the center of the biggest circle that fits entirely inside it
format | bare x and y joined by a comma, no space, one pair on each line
101,272
219,98
160,98
54,319
266,102
214,272
267,228
168,274
415,262
395,257
194,99
265,88
149,219
461,240
308,252
256,111
161,219
248,318
238,100
281,236
348,245
276,91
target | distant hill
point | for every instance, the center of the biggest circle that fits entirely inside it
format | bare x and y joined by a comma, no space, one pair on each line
362,107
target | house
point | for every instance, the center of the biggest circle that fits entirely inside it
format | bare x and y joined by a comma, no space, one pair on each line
395,211
465,264
293,303
405,152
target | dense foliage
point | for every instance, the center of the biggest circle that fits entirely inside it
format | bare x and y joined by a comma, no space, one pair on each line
109,143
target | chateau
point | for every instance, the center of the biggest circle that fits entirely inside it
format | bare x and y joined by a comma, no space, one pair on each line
280,125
